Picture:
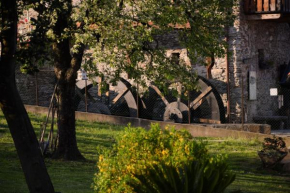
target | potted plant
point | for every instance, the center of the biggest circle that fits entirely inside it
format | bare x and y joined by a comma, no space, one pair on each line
274,150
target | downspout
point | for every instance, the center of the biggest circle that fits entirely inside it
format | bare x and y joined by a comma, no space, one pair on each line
211,62
228,77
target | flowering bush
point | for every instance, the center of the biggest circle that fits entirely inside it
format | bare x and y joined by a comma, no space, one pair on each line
137,150
274,150
275,143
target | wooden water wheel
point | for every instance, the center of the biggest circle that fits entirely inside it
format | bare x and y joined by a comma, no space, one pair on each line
203,106
117,100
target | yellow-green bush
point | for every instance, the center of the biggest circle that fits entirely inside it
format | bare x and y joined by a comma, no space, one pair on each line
193,177
136,150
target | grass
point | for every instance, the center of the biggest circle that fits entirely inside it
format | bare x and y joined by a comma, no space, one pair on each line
67,177
77,177
244,161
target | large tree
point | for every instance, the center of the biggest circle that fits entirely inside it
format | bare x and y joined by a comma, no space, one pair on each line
18,121
66,65
53,39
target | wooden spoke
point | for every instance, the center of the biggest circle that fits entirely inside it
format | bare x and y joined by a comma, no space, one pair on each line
120,95
160,94
199,100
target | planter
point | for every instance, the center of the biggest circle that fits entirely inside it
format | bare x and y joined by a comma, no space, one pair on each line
271,158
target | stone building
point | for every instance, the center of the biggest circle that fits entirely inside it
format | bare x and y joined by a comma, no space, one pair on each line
259,42
259,45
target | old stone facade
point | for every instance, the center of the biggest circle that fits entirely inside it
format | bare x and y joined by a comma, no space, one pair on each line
257,49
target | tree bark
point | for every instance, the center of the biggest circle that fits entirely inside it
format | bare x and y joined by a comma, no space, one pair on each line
66,66
67,144
18,121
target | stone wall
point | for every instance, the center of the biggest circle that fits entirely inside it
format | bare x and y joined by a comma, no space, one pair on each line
246,38
36,89
274,39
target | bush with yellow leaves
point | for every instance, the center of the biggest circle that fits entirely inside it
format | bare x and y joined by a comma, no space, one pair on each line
137,149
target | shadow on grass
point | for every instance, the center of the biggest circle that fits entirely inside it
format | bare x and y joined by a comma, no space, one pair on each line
267,179
3,123
96,125
104,135
260,183
96,143
3,128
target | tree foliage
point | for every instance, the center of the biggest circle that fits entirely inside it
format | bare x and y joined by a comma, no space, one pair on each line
113,37
123,36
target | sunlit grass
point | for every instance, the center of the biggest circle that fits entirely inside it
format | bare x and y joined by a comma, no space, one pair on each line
77,177
244,161
67,177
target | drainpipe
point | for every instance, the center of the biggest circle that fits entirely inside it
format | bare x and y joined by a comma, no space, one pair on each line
228,78
210,66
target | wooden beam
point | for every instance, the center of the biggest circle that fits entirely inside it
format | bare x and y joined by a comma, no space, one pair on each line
266,5
273,5
264,16
120,95
198,101
259,5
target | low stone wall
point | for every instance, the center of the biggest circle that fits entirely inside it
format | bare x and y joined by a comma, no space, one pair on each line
259,131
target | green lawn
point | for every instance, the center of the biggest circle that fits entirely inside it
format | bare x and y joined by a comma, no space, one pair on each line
244,161
67,177
74,177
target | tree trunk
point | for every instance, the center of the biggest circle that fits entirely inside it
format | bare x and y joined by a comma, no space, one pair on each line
67,145
66,74
66,67
18,121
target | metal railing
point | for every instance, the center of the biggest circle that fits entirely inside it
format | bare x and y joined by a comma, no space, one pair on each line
266,6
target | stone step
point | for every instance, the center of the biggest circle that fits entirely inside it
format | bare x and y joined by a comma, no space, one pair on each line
283,133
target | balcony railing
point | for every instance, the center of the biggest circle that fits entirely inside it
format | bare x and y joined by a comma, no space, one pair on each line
267,6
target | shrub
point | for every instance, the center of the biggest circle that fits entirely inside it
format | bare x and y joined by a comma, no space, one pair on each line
275,143
274,150
136,151
192,177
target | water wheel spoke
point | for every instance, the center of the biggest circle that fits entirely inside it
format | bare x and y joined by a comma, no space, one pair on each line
200,99
122,93
79,93
160,94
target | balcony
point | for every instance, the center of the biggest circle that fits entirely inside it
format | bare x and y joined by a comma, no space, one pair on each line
267,9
